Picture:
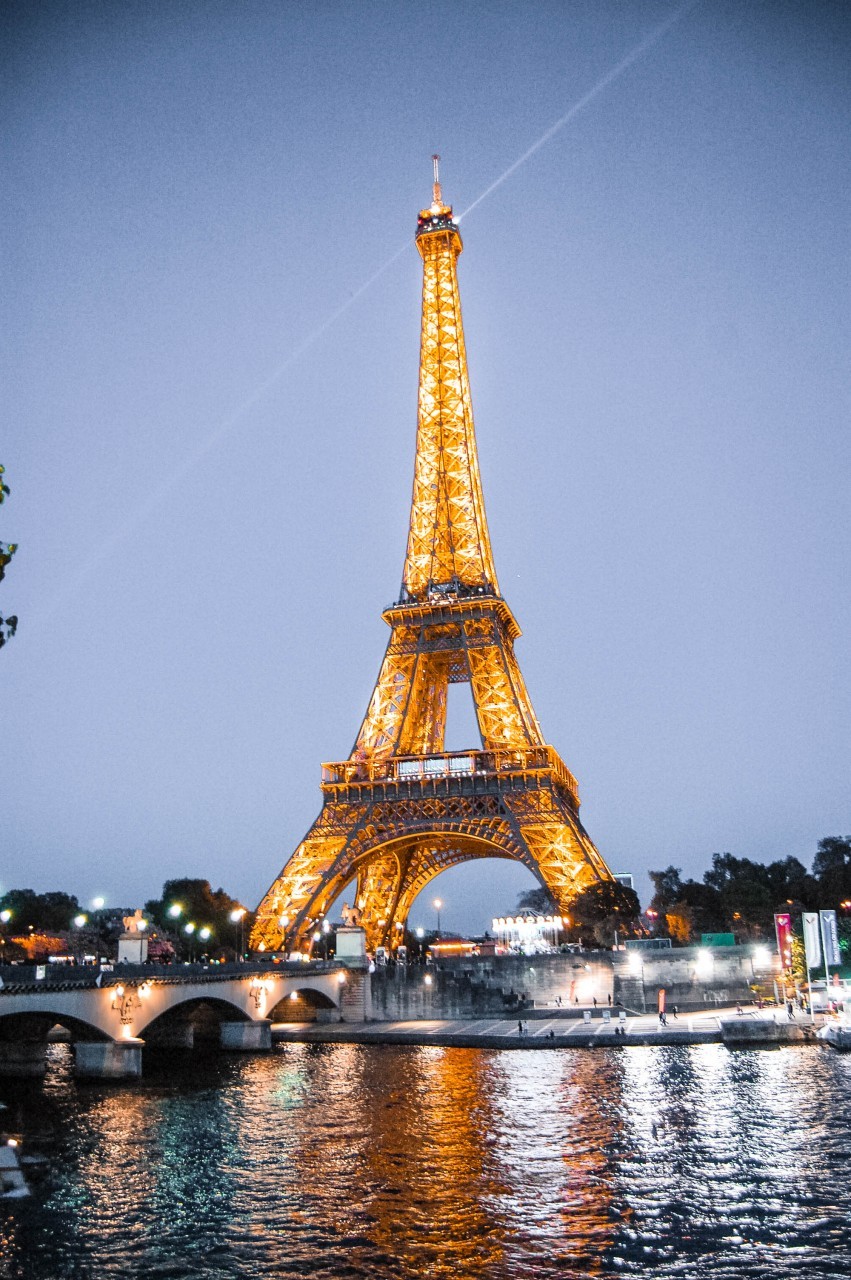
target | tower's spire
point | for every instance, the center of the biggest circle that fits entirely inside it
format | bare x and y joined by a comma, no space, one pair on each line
437,195
448,543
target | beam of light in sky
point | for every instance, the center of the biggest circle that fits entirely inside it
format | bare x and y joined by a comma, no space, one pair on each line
638,52
204,446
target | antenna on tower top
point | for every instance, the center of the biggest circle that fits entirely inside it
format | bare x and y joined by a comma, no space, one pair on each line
436,192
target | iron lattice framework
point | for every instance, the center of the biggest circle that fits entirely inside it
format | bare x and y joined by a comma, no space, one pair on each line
401,809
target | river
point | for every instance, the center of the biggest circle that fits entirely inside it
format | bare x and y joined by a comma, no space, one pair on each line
375,1161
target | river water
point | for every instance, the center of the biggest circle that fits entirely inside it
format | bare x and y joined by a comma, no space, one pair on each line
377,1161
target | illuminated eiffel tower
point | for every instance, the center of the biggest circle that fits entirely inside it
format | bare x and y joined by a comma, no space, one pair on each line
401,809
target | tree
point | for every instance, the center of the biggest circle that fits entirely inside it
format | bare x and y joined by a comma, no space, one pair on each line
199,905
48,912
539,900
607,908
747,900
668,889
832,870
8,626
790,883
680,922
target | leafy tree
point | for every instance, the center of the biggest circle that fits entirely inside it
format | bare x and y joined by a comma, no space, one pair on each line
832,870
201,905
539,900
790,883
48,912
704,905
606,907
746,896
668,889
681,923
8,626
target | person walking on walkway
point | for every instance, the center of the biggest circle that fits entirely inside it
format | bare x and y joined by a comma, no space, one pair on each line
519,1028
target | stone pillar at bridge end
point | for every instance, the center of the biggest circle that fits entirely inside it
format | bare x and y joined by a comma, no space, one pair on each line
109,1059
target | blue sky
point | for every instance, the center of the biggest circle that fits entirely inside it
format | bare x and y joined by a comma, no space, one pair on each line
208,420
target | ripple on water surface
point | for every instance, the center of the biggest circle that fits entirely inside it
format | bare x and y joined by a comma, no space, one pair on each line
352,1161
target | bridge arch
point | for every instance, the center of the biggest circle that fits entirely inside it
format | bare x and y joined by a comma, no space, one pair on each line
303,1004
37,1024
204,1014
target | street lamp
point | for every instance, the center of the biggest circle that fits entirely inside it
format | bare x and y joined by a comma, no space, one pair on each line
5,916
204,934
190,929
437,905
236,918
78,922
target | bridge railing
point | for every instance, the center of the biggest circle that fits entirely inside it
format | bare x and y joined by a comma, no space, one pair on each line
54,977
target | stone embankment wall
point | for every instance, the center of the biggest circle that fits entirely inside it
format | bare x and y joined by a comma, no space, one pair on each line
484,986
692,977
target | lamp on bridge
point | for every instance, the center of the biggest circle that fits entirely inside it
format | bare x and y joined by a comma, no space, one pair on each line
236,917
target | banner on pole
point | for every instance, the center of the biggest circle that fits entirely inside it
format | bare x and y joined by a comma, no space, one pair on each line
783,929
812,941
830,937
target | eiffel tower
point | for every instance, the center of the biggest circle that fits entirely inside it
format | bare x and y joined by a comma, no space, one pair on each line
401,809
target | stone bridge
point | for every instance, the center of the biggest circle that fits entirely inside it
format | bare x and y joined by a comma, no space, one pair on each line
111,1014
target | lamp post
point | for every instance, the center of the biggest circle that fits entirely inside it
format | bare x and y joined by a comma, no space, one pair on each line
5,917
190,930
204,935
236,918
437,905
79,923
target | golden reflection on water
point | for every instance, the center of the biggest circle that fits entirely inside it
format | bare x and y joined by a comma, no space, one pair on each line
453,1171
337,1161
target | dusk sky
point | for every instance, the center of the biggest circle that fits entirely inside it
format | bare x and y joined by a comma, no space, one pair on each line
209,368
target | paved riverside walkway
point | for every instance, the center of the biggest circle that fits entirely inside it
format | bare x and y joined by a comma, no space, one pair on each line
710,1026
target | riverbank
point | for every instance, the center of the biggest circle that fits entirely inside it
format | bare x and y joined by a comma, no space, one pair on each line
717,1026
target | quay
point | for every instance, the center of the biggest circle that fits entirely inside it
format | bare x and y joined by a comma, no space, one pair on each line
752,1028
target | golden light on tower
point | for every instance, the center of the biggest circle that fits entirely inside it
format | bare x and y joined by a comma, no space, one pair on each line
401,809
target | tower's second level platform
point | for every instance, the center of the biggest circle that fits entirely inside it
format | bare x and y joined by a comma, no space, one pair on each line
456,772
